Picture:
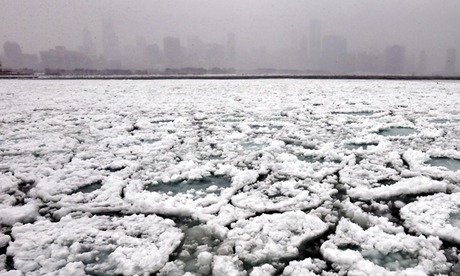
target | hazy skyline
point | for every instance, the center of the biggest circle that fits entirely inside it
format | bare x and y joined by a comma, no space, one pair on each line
368,25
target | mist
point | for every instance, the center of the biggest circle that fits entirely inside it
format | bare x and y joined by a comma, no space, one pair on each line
268,28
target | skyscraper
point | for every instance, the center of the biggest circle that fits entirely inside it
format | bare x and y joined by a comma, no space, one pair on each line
395,58
334,53
315,44
110,44
173,52
88,47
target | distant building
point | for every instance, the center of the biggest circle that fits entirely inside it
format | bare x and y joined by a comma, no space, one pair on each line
62,59
15,59
154,56
451,59
215,55
110,45
172,52
88,47
315,44
334,54
395,58
196,55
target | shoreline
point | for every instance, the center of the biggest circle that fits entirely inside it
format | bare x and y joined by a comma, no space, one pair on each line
230,77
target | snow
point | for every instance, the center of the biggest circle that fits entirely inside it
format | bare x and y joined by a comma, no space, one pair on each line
14,214
229,177
436,215
276,236
407,186
98,244
308,267
372,252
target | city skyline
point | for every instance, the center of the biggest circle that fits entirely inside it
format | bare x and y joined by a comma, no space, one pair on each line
313,53
334,36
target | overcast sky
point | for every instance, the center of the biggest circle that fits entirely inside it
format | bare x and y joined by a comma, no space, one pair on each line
432,25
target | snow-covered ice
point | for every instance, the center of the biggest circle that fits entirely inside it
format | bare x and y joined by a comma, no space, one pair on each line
229,177
374,252
437,215
102,245
273,237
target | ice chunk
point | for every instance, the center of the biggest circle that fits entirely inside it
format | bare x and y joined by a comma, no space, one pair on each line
307,267
358,216
227,266
10,215
264,270
105,245
283,196
435,215
4,240
269,238
374,252
407,186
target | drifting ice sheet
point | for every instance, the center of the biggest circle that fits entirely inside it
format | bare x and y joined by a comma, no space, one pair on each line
272,237
437,215
102,245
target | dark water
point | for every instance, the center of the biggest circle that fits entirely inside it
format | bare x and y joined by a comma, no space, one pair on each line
397,131
448,163
184,186
359,146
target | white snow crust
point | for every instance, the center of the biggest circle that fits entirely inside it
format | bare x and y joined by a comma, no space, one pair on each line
412,255
105,245
276,236
437,215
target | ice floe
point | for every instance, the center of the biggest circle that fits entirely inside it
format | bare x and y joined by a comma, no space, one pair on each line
406,186
374,252
102,245
273,237
437,215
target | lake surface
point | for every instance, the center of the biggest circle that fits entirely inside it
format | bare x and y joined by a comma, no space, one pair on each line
211,164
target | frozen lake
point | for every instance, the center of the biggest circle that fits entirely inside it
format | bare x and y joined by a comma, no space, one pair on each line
229,177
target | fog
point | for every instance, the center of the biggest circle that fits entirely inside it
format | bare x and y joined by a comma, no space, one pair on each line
270,27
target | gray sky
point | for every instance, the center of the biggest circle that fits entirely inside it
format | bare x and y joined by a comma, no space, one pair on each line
433,25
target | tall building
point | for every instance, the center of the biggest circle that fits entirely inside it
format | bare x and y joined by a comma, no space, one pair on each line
451,59
154,57
215,55
60,58
172,52
88,47
16,59
395,58
196,52
334,54
110,44
315,44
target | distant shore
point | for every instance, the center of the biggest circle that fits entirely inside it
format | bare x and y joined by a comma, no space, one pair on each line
228,77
